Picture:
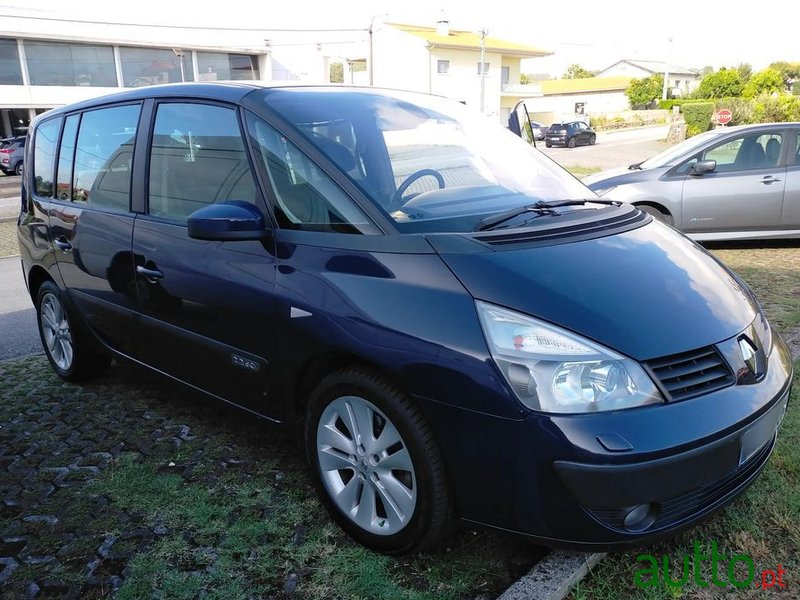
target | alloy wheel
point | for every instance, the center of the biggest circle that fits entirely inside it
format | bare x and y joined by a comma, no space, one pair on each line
56,331
366,466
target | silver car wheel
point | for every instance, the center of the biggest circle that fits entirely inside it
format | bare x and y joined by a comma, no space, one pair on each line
365,465
56,331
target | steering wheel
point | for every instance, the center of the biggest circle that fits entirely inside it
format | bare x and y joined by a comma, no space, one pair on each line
397,199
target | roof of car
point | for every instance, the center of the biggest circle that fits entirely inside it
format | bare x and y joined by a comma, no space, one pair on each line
226,91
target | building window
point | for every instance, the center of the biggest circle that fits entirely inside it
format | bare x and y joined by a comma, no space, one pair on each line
54,63
485,68
216,66
10,70
442,66
150,66
505,75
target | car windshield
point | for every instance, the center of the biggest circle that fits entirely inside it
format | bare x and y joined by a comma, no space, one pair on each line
429,163
670,155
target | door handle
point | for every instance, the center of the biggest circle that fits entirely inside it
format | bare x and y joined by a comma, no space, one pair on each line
770,179
152,275
62,244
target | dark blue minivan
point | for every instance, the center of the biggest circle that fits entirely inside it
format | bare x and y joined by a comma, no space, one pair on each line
457,325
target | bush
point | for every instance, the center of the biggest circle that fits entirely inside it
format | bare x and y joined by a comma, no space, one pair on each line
698,117
742,110
779,109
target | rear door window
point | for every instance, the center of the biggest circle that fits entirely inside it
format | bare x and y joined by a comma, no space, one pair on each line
104,157
44,156
66,157
197,158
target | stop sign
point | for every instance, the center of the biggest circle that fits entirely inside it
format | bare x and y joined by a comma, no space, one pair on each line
724,116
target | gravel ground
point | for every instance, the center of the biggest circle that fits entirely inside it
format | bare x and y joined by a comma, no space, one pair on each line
133,487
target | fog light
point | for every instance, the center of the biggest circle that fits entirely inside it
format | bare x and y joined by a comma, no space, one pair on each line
640,517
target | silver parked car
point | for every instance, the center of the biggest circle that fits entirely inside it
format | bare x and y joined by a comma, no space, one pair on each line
730,183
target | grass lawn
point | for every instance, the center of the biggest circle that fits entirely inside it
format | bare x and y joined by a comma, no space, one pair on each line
764,523
581,171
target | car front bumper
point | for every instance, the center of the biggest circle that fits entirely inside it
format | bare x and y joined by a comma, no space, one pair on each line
551,478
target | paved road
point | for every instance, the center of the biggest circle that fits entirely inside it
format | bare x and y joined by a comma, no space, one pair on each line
613,149
18,333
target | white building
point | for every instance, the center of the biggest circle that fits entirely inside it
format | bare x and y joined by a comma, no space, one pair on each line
46,62
566,99
447,62
681,80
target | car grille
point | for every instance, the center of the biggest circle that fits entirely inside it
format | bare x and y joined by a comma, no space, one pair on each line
691,374
676,509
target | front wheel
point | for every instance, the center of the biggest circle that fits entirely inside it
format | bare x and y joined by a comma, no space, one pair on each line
548,144
592,140
67,346
571,142
376,463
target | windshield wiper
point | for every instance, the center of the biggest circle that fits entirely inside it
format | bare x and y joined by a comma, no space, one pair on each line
541,207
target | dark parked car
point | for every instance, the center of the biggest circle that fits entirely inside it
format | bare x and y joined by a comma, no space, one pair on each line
457,326
574,133
730,183
12,152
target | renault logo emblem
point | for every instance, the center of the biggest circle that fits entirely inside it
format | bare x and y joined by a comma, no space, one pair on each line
748,354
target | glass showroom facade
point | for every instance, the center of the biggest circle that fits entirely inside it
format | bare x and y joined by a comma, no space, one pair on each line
29,62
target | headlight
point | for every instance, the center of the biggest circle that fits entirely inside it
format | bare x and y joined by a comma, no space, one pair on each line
603,191
553,370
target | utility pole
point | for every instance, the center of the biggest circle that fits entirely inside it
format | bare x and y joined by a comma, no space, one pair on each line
371,72
665,89
483,69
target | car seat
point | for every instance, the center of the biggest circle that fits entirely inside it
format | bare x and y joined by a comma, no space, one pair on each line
773,152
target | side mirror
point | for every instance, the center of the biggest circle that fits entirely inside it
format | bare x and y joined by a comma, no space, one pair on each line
703,166
226,221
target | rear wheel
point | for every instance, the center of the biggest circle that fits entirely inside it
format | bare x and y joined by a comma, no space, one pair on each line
67,346
571,142
548,144
18,169
376,463
657,214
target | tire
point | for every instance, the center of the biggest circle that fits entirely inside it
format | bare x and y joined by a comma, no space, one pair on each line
548,144
571,142
18,169
592,140
657,214
389,491
67,345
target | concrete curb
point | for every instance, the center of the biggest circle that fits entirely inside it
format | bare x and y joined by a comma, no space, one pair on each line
553,577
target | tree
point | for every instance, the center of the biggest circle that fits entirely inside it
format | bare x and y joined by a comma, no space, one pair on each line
767,81
721,84
789,71
745,71
578,72
642,92
525,79
337,72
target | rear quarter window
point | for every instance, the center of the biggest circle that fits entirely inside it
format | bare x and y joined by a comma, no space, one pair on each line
44,152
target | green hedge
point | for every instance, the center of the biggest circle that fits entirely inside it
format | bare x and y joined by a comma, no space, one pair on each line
698,117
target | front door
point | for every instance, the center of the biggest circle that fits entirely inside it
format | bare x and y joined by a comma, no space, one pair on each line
206,306
744,192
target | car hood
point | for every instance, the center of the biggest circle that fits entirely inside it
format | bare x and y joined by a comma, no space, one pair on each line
622,175
646,293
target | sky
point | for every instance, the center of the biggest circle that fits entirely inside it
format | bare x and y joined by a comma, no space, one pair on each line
593,34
